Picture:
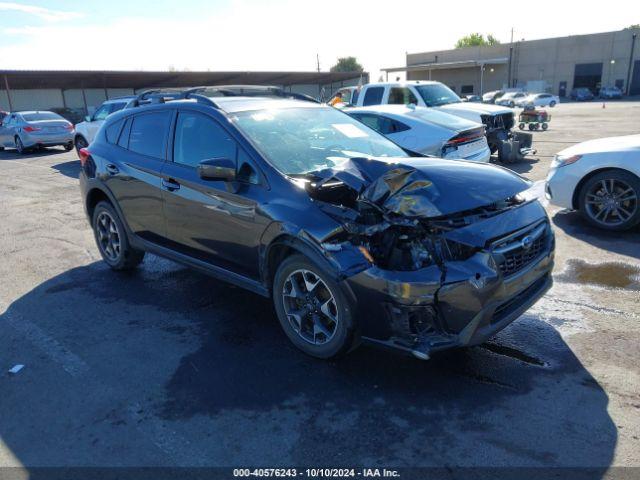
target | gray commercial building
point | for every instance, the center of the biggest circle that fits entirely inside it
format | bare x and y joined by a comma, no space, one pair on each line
85,90
554,65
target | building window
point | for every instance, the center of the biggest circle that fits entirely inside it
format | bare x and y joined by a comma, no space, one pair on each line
466,89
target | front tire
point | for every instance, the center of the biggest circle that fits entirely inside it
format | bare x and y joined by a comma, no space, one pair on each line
610,200
552,104
111,238
312,308
68,147
80,143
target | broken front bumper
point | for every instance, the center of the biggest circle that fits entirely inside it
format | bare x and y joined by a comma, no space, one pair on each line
428,310
511,146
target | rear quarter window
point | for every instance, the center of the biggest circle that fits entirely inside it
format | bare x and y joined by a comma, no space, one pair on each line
112,132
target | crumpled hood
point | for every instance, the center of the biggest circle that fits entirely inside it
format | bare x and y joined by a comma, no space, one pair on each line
603,145
479,108
425,187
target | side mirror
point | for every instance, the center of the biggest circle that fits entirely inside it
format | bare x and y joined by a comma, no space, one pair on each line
87,118
217,169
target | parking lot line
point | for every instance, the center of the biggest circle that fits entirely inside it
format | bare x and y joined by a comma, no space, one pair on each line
68,360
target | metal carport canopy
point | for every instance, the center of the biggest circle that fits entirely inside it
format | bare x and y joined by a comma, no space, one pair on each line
62,79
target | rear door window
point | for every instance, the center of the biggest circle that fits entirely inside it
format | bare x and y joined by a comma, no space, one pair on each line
373,96
401,96
149,133
381,124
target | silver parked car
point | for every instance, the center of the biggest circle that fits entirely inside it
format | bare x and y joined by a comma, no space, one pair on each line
26,130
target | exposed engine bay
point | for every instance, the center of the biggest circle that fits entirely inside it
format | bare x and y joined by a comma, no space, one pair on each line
396,220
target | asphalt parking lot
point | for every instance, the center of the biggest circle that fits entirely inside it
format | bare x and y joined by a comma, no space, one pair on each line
167,367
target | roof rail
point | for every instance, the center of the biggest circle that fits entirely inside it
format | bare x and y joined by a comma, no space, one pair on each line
170,94
203,94
256,91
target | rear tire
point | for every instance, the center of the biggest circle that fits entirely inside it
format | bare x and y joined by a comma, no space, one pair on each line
545,126
19,145
68,147
111,238
552,104
521,126
312,308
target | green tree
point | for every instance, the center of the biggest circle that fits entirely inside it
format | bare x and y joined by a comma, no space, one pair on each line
631,27
476,39
347,64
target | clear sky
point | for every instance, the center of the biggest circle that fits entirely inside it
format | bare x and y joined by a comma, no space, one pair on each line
275,34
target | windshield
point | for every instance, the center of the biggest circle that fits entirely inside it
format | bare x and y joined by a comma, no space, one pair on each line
35,117
437,94
303,140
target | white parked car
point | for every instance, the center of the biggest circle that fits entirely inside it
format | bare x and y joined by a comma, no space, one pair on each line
427,131
601,179
538,100
509,99
87,130
498,121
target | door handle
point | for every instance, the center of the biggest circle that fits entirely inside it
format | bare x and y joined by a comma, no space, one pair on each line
112,169
170,184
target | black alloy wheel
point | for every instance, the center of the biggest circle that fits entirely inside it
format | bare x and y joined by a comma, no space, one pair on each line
112,240
312,308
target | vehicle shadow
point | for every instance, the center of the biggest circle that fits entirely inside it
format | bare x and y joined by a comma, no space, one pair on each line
522,166
70,169
237,383
624,243
42,152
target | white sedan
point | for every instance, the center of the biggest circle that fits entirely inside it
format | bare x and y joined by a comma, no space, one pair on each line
601,179
538,100
427,131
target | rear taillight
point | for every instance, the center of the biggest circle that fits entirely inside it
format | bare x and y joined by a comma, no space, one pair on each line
31,129
468,136
84,155
69,127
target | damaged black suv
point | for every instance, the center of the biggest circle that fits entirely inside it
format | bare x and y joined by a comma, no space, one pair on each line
353,238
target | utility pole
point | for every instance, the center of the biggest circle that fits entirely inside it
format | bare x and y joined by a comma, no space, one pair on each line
510,70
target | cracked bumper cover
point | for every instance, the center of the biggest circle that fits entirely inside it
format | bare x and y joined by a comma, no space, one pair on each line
421,313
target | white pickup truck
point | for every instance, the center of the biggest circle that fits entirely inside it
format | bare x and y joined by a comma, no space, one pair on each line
498,121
